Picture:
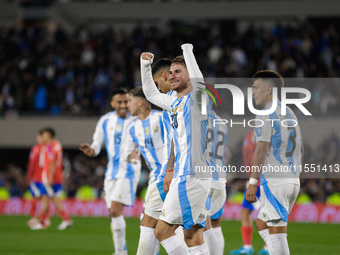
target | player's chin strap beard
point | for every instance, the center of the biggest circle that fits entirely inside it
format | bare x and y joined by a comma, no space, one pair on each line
180,89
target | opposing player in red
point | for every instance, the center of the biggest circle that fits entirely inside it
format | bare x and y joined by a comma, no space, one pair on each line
34,177
248,149
53,176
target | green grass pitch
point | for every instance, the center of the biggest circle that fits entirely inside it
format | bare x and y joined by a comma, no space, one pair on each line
93,236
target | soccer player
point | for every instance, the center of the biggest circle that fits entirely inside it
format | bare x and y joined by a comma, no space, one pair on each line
186,198
148,134
277,147
121,177
54,175
160,76
217,149
248,149
34,173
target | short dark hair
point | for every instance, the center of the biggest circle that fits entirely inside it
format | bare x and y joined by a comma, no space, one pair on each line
179,60
137,92
120,91
161,64
270,75
49,130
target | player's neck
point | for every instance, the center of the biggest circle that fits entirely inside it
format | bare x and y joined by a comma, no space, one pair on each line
269,101
144,114
184,92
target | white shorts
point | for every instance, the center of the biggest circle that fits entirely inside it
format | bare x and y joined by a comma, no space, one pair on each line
185,203
276,203
218,198
121,190
153,203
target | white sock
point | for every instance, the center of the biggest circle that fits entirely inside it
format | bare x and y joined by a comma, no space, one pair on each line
174,246
147,241
179,232
279,244
118,231
211,241
156,250
220,238
266,237
199,250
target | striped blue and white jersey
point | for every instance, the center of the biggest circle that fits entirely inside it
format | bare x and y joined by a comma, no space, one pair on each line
168,136
284,157
215,146
189,129
112,130
148,135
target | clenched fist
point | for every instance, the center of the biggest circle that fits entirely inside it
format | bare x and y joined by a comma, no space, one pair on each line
147,55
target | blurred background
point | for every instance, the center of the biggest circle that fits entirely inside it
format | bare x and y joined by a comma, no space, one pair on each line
61,60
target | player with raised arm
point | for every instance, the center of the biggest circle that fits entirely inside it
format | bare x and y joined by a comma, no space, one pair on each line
160,77
248,149
277,147
121,177
148,134
183,203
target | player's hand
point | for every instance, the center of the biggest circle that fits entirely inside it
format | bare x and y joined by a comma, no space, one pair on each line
167,181
251,193
147,56
86,148
187,46
133,157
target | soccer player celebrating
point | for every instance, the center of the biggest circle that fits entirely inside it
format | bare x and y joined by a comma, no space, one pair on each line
160,75
54,175
148,134
277,147
186,198
248,149
121,177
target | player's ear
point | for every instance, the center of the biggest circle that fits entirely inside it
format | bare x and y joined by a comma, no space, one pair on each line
112,103
164,76
270,90
140,102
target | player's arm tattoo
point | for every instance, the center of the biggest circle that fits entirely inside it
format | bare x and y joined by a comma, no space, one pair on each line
171,160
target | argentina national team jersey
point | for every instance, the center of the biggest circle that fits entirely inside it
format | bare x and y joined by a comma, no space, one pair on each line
215,145
189,129
168,136
148,134
284,157
112,130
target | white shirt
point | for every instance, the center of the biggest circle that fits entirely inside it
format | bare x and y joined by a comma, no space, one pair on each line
284,155
113,131
148,135
215,145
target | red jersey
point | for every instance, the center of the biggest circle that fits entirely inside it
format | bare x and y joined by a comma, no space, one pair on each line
248,148
55,154
36,163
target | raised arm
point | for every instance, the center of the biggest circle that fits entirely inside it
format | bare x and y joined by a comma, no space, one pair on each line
150,90
192,66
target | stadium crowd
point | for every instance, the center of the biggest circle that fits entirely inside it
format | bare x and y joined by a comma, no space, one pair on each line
52,72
